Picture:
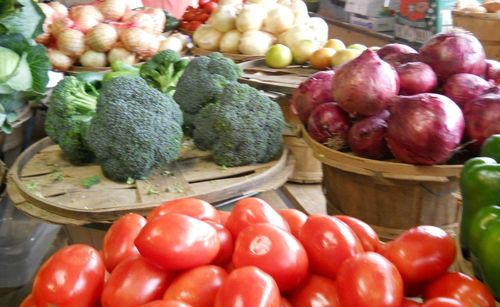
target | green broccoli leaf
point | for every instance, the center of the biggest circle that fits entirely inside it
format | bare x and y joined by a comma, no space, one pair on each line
21,16
91,181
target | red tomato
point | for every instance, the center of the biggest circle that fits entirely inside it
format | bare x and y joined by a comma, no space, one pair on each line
294,218
444,302
118,243
169,303
368,279
29,301
203,17
193,207
421,253
461,287
197,286
366,235
250,211
189,15
226,245
73,276
203,2
134,282
410,303
223,215
315,291
193,25
183,24
328,242
248,286
284,302
273,250
210,7
178,242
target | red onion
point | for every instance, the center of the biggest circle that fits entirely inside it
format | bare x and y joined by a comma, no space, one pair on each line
365,85
493,71
402,58
462,88
453,53
329,124
367,137
482,117
390,50
424,129
317,89
416,78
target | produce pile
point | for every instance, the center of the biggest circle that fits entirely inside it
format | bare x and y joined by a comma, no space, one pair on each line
187,253
420,107
96,34
132,120
480,223
252,28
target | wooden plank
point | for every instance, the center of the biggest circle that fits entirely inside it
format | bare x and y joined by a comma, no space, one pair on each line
307,198
273,198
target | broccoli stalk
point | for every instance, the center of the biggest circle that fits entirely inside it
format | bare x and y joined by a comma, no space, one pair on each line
163,71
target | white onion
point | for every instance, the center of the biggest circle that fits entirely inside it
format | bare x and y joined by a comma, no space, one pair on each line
139,41
251,18
223,19
121,54
59,60
279,19
93,58
230,41
60,9
206,37
71,42
171,43
102,37
256,42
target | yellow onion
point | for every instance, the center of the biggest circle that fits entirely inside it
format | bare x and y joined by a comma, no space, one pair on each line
59,25
59,60
143,21
121,54
113,9
85,17
140,41
102,37
158,17
93,58
71,42
48,11
60,9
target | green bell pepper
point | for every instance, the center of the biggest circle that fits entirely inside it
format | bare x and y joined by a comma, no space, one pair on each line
491,147
485,247
480,187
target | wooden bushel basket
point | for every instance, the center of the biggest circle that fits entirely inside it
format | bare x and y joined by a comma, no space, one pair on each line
390,196
485,26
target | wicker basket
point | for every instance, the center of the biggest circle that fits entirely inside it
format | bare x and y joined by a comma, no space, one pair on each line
485,26
390,196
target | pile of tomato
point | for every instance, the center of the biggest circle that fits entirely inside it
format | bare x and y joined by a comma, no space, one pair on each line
187,253
194,17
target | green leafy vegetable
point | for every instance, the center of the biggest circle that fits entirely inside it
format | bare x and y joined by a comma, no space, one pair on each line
91,181
21,16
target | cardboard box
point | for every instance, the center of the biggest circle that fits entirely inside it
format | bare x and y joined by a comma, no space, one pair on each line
379,24
417,20
371,8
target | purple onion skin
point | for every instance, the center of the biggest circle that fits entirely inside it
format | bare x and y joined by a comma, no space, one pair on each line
424,129
365,85
328,121
311,93
493,71
463,88
394,49
367,137
402,58
453,53
482,117
416,78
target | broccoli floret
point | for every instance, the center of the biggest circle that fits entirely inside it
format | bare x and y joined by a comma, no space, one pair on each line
135,129
71,108
163,71
203,80
241,127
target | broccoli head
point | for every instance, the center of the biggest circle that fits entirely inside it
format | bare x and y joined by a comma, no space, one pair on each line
135,129
71,107
241,127
163,71
204,79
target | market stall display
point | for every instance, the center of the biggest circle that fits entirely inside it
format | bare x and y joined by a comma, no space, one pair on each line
94,35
